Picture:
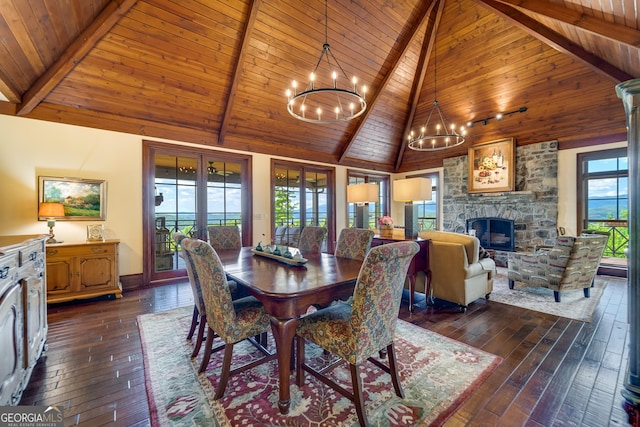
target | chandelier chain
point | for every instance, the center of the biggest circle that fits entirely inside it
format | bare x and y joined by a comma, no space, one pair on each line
331,102
444,136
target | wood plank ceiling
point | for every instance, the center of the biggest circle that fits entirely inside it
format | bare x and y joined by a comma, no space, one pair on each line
215,73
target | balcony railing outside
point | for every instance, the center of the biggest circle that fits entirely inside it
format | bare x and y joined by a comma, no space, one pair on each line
618,236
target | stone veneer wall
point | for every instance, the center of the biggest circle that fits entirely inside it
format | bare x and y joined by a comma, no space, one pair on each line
533,206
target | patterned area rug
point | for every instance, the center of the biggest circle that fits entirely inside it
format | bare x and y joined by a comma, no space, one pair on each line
572,304
438,374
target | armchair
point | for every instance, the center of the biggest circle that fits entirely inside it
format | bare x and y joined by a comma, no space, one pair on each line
571,263
458,274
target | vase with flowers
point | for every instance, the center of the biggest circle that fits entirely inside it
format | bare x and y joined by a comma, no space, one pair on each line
385,224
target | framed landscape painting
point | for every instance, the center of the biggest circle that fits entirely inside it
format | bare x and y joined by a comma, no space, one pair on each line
83,199
492,166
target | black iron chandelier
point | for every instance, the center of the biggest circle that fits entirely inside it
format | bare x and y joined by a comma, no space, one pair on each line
327,98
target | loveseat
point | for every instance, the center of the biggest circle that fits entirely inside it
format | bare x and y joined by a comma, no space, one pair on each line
458,274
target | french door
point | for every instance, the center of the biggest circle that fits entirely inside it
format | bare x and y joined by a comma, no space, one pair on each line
187,190
303,195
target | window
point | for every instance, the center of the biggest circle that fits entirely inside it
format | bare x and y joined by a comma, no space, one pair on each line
302,195
428,209
377,209
603,192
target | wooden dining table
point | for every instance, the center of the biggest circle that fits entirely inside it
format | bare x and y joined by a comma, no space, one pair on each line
287,292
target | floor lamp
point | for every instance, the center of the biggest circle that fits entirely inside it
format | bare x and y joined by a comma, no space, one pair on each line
361,195
410,190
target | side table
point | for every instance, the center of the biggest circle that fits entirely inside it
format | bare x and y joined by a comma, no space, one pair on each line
420,262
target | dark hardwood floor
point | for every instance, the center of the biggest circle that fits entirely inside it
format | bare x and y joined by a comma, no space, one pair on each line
555,372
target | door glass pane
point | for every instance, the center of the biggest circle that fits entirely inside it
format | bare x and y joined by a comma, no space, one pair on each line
175,205
287,197
316,190
224,193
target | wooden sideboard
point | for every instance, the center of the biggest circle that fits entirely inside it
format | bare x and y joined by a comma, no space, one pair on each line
420,262
23,312
80,270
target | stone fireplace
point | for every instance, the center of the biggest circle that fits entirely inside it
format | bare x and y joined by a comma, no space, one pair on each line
533,206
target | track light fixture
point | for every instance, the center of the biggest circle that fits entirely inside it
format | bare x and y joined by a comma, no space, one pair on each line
497,117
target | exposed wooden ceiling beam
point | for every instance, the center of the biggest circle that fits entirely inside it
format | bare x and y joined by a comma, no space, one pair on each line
10,92
387,78
421,70
555,40
226,114
72,56
616,32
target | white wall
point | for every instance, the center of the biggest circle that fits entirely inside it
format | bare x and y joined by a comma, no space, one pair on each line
32,148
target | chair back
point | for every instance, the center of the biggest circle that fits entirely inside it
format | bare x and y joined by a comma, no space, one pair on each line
377,296
194,280
224,237
218,303
311,239
583,260
354,243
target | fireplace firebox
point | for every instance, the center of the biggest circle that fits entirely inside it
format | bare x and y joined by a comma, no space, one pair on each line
494,233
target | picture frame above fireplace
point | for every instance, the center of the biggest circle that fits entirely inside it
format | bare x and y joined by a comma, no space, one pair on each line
492,166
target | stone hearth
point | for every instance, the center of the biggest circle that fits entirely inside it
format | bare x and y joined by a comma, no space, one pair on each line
533,206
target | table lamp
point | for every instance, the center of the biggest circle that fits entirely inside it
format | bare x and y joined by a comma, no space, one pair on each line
409,190
51,211
361,195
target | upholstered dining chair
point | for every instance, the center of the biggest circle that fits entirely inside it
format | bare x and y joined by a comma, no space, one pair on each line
359,331
199,315
311,239
231,320
354,243
572,263
199,319
224,237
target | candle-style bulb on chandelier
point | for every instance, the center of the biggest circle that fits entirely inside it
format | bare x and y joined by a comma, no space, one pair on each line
330,96
436,134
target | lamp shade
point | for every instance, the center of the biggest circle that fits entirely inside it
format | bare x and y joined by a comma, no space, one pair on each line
411,189
362,193
50,210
